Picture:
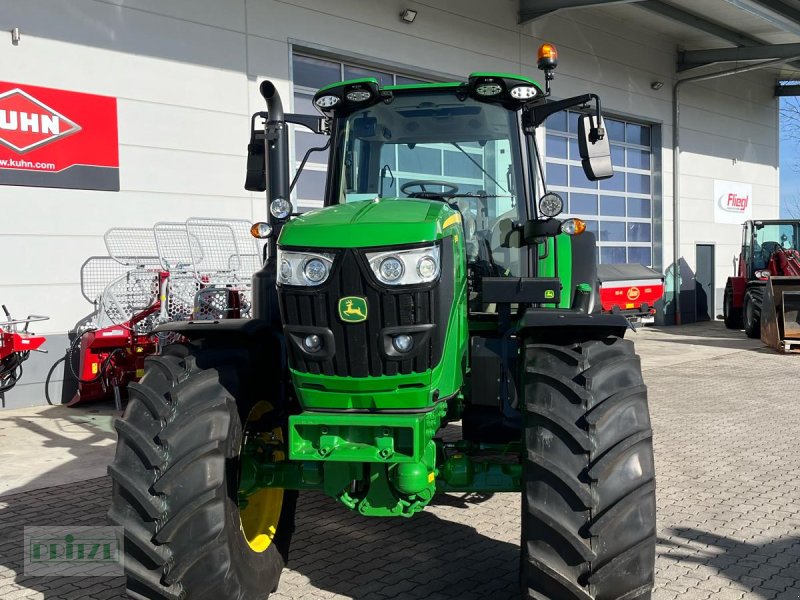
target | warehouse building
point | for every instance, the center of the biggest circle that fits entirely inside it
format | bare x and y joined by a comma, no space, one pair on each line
166,90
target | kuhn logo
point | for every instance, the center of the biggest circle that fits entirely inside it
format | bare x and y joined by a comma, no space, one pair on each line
733,202
27,124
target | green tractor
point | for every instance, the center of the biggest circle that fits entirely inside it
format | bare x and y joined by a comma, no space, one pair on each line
410,301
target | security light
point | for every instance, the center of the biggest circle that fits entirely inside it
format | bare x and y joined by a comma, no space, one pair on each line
657,85
408,15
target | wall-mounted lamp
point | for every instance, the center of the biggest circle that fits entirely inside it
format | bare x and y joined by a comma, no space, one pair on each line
15,36
656,85
408,15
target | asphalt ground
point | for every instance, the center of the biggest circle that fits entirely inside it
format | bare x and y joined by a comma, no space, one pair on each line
726,419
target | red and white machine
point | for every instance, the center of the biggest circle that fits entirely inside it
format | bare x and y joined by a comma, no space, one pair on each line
16,345
199,269
630,289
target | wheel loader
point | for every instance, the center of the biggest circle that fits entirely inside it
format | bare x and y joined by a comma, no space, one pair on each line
411,300
764,295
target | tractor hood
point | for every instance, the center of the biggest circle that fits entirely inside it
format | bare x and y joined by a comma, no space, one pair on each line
365,223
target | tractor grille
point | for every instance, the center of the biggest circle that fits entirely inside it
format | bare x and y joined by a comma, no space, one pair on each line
359,347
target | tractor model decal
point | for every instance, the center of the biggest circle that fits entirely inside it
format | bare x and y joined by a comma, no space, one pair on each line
353,309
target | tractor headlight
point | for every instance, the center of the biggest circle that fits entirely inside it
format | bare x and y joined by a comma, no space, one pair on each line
405,267
303,268
551,205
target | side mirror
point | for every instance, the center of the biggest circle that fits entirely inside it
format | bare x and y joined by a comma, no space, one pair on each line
594,147
256,179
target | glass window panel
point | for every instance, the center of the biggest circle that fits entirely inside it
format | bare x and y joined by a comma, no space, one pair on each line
616,183
403,80
556,146
638,184
612,206
637,134
556,174
314,72
351,72
389,156
642,256
427,161
638,159
574,151
617,155
612,231
557,122
591,225
577,178
582,204
573,122
616,130
639,207
458,165
311,185
639,232
612,255
304,140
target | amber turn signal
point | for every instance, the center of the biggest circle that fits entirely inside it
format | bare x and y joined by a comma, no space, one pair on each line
547,57
573,226
261,230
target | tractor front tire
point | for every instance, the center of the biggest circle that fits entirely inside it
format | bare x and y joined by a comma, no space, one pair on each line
753,298
731,315
176,477
588,497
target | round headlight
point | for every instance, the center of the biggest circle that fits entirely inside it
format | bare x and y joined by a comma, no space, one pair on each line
286,270
551,205
280,208
358,95
488,89
523,92
327,101
391,269
315,270
312,343
403,342
426,267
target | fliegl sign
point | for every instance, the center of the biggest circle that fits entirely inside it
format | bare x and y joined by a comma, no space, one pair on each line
56,138
733,202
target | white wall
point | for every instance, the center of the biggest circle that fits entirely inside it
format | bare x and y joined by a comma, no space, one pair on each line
185,73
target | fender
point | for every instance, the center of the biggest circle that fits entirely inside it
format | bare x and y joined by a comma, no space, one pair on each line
738,285
564,324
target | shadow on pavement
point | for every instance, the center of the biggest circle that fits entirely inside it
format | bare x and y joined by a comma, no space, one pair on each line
423,557
43,503
767,568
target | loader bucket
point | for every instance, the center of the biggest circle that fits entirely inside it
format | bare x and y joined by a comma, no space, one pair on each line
780,314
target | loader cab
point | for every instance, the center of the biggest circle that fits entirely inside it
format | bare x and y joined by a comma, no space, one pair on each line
760,240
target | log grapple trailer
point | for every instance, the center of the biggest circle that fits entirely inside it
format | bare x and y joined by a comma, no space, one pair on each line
407,302
764,295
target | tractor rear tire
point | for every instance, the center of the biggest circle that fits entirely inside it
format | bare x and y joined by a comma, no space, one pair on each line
753,299
176,478
588,498
731,315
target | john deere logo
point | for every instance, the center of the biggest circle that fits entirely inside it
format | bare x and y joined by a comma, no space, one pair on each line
353,309
549,294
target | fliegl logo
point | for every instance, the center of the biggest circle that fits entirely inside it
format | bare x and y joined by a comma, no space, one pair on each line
734,203
27,123
353,309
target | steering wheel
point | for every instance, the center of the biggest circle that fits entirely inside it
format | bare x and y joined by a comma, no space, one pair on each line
421,183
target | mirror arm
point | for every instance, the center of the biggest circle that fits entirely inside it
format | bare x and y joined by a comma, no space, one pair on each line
535,114
319,125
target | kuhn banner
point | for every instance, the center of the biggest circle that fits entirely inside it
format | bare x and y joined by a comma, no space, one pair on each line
733,202
55,138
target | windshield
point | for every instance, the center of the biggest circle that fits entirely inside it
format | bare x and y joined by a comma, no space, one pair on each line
771,236
435,145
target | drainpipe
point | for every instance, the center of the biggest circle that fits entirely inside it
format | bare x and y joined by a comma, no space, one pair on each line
676,163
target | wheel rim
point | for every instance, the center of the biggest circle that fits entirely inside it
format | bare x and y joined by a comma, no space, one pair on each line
260,512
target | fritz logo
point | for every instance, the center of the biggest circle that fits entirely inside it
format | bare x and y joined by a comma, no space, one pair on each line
734,203
27,124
